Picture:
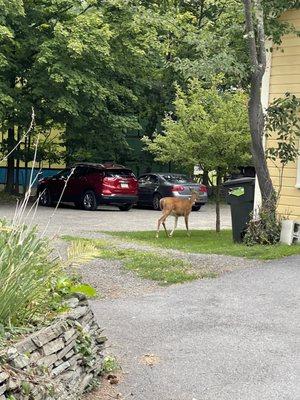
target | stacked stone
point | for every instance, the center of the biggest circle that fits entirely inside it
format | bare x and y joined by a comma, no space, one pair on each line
59,361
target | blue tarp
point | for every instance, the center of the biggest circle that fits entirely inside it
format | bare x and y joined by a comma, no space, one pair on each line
43,173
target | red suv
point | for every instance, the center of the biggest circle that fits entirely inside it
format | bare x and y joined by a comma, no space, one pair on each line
89,185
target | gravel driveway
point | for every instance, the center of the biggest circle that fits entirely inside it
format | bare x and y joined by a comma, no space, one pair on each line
70,221
235,337
231,338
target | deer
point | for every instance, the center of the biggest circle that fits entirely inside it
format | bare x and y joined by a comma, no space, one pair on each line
177,208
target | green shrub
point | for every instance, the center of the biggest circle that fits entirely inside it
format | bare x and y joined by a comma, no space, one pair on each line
265,230
26,274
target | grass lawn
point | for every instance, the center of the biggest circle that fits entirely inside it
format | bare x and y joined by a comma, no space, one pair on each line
210,242
163,269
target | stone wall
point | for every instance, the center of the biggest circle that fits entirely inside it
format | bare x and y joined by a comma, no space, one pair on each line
59,361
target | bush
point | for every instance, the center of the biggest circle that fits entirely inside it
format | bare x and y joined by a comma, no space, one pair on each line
265,230
26,274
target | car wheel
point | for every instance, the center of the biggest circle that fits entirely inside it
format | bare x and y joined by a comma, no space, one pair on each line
125,207
89,201
155,202
45,198
196,208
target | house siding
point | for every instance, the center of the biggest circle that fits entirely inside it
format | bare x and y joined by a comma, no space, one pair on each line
285,77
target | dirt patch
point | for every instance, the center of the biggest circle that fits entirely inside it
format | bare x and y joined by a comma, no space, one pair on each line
108,389
149,359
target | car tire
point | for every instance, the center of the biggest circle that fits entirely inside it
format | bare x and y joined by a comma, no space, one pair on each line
197,207
125,207
45,198
156,201
89,201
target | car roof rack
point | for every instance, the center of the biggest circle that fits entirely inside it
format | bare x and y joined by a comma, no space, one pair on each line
106,165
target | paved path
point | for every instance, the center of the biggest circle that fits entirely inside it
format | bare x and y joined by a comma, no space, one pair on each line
235,337
231,338
70,221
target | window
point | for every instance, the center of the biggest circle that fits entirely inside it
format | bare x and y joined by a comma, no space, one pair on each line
153,179
143,179
119,173
64,173
178,179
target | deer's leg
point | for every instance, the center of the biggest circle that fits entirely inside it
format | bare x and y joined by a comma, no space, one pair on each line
165,228
158,226
162,221
186,219
175,226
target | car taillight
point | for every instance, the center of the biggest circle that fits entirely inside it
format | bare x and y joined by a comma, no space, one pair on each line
177,188
202,189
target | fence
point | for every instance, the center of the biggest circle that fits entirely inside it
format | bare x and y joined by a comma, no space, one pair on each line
24,176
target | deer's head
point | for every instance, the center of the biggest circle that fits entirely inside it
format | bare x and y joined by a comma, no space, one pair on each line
194,195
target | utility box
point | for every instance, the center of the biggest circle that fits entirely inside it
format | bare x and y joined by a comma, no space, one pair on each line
240,196
290,232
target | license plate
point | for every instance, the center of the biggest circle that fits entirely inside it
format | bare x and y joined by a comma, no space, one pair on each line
124,185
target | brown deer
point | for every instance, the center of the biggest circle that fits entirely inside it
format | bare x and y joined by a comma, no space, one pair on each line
177,208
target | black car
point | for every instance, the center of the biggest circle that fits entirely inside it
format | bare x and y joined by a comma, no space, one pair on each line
154,186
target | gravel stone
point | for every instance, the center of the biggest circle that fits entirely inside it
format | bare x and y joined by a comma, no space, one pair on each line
3,376
26,346
49,333
48,360
72,302
56,371
53,347
68,334
20,361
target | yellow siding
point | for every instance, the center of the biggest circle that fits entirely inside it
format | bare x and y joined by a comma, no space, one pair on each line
285,77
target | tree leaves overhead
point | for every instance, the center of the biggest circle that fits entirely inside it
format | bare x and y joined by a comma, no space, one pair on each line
208,127
99,70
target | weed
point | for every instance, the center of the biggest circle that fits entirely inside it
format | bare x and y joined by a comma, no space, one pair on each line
110,364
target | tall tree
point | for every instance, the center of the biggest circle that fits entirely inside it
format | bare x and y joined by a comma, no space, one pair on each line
257,52
258,14
82,65
209,127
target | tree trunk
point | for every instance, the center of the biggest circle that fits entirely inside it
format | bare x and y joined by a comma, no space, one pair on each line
257,52
205,178
26,159
256,120
218,200
17,180
9,186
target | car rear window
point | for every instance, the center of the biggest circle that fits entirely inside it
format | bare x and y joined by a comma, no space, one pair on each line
116,173
178,179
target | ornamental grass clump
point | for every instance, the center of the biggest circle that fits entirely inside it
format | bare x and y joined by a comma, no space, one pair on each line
26,274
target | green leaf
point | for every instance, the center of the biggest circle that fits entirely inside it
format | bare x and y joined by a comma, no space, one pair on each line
85,289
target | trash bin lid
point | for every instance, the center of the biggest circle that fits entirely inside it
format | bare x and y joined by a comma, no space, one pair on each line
240,181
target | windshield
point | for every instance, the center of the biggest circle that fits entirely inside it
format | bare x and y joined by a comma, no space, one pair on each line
64,173
178,179
116,173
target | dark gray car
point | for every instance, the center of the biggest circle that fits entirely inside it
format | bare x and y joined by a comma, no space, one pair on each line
154,186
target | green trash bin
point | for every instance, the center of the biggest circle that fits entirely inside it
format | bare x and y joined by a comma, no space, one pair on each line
240,196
